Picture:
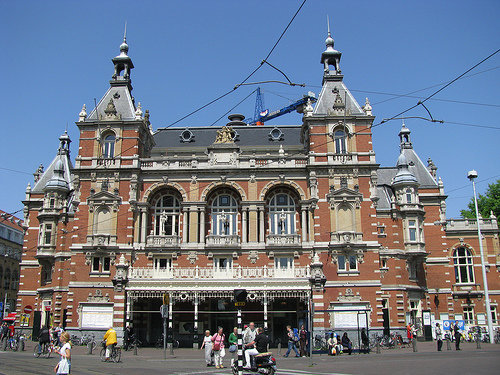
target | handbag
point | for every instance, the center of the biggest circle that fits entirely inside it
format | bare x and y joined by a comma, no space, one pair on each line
63,367
233,348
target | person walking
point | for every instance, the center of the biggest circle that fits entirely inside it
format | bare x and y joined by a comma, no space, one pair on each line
64,365
439,337
207,344
111,341
218,348
365,340
233,344
303,340
457,334
292,340
56,332
409,332
346,343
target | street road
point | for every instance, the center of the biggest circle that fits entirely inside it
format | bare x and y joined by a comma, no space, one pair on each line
190,362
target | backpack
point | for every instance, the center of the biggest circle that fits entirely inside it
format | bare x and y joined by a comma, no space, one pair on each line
295,334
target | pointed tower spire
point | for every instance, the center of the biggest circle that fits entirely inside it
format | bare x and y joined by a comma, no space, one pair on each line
404,137
123,62
330,56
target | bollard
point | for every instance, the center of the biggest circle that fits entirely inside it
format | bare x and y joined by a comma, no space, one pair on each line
279,348
414,345
135,349
448,345
478,342
89,348
377,347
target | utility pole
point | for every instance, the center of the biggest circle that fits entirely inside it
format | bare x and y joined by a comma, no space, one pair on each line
472,175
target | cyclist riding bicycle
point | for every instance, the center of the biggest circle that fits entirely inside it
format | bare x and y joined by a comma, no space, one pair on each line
43,338
111,341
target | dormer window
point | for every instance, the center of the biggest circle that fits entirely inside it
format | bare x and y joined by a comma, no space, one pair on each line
109,146
339,137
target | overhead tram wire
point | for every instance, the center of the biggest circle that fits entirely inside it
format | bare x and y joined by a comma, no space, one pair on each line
241,101
247,78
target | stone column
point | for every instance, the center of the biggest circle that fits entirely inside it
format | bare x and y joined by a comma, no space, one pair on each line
130,304
244,225
311,225
184,225
304,224
202,225
262,233
144,224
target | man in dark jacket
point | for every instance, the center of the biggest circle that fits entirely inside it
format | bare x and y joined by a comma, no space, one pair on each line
43,338
456,331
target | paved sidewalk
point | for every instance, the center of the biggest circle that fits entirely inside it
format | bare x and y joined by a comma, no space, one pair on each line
191,362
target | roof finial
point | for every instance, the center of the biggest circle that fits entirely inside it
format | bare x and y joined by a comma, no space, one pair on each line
125,33
328,24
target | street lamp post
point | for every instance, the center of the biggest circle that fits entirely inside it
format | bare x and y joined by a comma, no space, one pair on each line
472,175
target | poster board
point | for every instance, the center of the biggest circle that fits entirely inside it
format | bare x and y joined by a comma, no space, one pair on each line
96,315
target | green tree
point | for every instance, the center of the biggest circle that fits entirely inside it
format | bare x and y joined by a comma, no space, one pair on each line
490,202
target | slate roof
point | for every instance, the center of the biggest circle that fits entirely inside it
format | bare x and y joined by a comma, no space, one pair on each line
122,100
49,173
249,137
327,97
11,221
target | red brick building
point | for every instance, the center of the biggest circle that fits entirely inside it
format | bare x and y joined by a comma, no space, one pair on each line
301,216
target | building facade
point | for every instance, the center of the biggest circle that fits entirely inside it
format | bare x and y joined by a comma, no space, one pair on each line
301,216
11,249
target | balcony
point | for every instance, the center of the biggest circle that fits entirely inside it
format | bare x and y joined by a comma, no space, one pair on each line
44,251
210,273
162,241
223,241
101,240
283,240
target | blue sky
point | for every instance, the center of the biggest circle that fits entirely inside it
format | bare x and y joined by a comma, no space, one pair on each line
56,56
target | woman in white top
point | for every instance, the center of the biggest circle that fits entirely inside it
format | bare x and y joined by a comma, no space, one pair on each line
64,365
207,343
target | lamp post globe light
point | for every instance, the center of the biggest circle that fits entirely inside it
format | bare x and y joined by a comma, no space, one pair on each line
472,175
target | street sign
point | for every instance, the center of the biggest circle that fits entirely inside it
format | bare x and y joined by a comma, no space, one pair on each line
166,298
25,320
28,309
164,311
238,304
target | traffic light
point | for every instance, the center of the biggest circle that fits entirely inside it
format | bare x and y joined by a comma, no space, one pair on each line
240,295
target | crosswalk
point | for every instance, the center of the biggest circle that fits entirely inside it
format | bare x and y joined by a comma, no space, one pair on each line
279,372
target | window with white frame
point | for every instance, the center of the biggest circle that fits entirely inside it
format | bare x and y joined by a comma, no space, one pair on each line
412,230
408,196
166,218
493,310
101,264
339,137
282,214
464,267
45,234
163,263
469,315
283,263
223,263
108,147
347,263
224,211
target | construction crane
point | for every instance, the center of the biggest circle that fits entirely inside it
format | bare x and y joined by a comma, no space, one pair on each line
262,115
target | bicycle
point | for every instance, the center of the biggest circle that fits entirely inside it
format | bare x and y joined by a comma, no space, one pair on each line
116,353
11,343
44,351
159,343
133,343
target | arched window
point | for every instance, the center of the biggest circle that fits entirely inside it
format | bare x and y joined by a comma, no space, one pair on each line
345,217
166,216
464,267
108,147
282,214
103,222
339,137
224,211
7,279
